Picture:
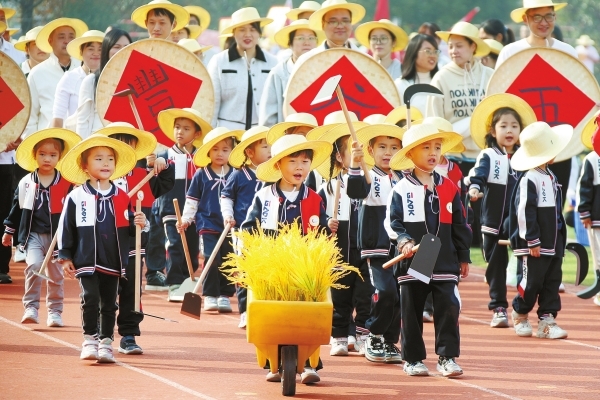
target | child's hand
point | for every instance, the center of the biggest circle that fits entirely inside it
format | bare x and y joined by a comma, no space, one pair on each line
6,240
229,221
69,268
150,160
474,194
357,153
464,270
407,249
160,164
181,227
333,225
587,223
534,251
139,219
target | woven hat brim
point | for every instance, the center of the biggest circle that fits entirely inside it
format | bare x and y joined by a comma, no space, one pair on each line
330,137
364,135
73,48
268,172
483,114
201,158
166,121
363,31
238,155
182,17
21,45
279,129
146,142
283,35
588,130
24,154
400,161
358,13
517,14
522,160
201,13
399,113
41,41
8,12
71,169
263,22
483,49
294,14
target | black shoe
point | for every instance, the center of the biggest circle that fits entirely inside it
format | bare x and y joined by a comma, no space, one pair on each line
392,353
129,346
5,278
156,281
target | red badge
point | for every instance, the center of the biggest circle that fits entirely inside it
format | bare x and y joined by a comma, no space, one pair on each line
11,105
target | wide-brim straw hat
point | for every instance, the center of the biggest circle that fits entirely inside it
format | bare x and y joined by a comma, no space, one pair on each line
201,13
71,166
331,121
29,37
481,119
494,45
146,142
2,26
282,37
540,144
588,130
377,126
238,155
24,154
445,126
194,31
201,158
289,144
74,46
43,36
357,11
585,40
140,14
331,136
291,121
8,12
245,16
11,31
399,113
417,135
193,45
470,31
363,32
306,6
166,122
517,14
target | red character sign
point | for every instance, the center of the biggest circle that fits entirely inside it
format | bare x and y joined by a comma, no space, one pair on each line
10,104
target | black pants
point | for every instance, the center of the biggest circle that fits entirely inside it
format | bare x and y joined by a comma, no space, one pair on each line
538,279
128,321
155,249
6,177
358,293
465,167
216,283
99,299
447,308
497,258
177,270
385,301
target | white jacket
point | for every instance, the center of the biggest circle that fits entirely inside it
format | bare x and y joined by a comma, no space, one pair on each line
87,119
271,102
9,49
66,97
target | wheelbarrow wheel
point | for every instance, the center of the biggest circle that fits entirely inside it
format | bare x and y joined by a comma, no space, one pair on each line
289,362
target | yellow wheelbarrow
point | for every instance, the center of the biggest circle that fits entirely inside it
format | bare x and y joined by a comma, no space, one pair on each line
287,333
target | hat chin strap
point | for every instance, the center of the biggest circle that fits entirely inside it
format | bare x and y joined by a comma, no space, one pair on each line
427,172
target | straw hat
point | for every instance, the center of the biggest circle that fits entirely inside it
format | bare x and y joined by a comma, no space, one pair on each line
357,11
73,48
282,36
11,31
399,113
517,14
201,13
417,135
289,144
8,12
71,165
194,31
245,16
24,154
2,26
443,125
193,45
238,155
30,36
470,31
44,35
585,40
146,142
376,125
588,131
201,158
140,14
363,32
291,121
166,121
494,45
481,119
331,121
540,144
306,6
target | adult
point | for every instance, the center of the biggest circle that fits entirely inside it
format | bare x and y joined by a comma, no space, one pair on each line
300,39
239,74
495,29
430,28
492,58
87,49
5,45
27,45
586,52
383,37
304,11
199,16
160,18
187,32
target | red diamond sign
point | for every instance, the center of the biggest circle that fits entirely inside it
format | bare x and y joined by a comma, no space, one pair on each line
156,87
11,105
361,96
553,97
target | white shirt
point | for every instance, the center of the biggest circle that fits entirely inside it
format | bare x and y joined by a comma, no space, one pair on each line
16,55
88,120
520,45
67,94
419,102
395,69
25,67
588,56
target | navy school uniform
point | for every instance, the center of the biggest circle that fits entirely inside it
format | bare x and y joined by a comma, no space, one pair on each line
588,189
416,210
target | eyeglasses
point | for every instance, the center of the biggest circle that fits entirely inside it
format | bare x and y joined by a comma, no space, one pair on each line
431,53
335,23
381,39
537,18
302,39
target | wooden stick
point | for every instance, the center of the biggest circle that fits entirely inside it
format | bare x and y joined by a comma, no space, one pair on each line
135,113
502,242
44,267
137,187
213,255
138,254
336,199
408,118
399,258
186,250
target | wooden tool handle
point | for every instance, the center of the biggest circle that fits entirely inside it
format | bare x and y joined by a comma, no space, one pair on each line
135,113
408,117
186,250
399,258
137,187
48,256
213,255
138,257
336,199
503,242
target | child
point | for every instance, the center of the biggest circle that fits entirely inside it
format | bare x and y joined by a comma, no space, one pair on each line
289,200
538,231
495,127
203,205
399,115
143,143
34,216
241,186
186,127
383,140
425,202
94,232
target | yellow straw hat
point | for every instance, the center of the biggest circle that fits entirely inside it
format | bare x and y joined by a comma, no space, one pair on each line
357,11
42,40
201,14
585,40
282,36
417,135
517,14
289,144
494,45
8,12
540,144
140,14
588,130
74,46
11,31
399,113
245,16
30,36
71,166
2,26
377,126
193,45
166,122
306,6
24,154
481,119
146,142
238,155
363,32
201,158
291,121
331,121
443,125
194,31
467,30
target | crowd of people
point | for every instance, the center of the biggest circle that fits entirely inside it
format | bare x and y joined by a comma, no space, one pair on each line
251,167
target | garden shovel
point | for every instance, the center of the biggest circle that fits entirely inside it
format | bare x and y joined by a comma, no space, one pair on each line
418,89
42,272
425,259
189,283
595,288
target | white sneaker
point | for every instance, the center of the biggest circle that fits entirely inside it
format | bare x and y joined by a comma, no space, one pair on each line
499,318
521,324
309,376
597,299
427,317
89,348
54,319
210,304
30,316
339,347
105,351
359,346
548,329
19,255
351,342
242,324
448,367
224,304
561,288
273,377
416,368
